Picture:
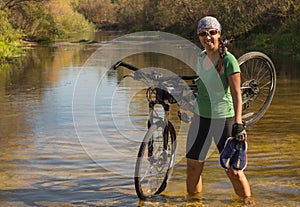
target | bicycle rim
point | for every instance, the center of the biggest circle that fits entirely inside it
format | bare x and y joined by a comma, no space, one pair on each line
154,164
259,76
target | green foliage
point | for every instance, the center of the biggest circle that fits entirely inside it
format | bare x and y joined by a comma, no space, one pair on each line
130,15
16,4
49,19
73,23
238,17
67,21
9,38
39,20
264,23
100,12
34,22
45,20
290,15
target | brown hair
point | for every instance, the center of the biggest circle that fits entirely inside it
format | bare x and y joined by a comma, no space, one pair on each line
222,52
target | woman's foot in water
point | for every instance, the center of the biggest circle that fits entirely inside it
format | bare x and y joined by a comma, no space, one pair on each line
249,202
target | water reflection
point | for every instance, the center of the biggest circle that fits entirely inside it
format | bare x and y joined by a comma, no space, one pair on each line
44,164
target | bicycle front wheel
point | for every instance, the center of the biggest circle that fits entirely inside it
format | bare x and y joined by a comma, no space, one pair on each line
258,78
155,160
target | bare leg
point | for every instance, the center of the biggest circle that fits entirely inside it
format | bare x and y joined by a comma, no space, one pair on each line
240,185
194,180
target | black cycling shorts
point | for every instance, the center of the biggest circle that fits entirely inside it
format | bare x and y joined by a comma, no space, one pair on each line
201,133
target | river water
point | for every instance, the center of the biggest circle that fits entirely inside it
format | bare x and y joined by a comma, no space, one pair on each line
58,149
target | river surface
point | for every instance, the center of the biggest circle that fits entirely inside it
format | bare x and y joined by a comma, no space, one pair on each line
70,130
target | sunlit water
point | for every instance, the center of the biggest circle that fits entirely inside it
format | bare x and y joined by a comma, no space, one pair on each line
49,159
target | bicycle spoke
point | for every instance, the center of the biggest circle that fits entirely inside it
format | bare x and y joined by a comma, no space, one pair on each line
258,85
151,181
154,161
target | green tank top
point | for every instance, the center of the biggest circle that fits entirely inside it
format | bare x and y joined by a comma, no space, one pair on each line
214,98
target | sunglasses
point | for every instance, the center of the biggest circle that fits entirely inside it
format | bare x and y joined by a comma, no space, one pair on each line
209,32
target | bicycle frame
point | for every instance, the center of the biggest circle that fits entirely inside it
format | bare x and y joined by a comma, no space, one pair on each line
159,96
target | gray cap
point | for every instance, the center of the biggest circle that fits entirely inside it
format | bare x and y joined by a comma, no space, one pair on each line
209,22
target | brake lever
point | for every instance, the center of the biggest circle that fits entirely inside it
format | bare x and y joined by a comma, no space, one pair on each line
135,76
128,76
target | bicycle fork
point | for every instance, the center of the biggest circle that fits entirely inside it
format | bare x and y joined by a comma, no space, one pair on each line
161,122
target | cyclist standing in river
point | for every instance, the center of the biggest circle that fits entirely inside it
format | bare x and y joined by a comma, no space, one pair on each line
218,114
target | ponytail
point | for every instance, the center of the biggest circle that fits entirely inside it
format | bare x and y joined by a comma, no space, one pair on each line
222,52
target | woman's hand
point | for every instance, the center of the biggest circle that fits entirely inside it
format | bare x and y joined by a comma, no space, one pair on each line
239,132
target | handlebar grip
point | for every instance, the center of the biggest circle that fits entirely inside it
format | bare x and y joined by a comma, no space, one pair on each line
126,65
196,80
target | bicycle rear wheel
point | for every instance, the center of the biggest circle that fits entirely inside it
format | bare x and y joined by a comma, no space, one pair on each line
155,160
258,78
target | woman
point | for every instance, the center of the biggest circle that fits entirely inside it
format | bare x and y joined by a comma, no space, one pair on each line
219,108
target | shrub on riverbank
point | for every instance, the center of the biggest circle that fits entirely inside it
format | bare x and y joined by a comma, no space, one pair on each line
37,21
67,20
9,38
47,20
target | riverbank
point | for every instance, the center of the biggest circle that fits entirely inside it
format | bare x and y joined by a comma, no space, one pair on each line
271,44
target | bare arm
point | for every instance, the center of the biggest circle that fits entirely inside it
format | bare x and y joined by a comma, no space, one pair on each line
235,89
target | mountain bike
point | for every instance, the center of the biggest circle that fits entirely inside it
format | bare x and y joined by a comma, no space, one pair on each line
156,155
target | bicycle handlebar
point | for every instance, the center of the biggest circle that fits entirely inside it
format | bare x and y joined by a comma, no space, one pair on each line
126,65
194,78
170,91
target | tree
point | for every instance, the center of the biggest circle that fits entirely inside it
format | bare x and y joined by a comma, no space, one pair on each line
11,4
129,14
9,37
99,12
